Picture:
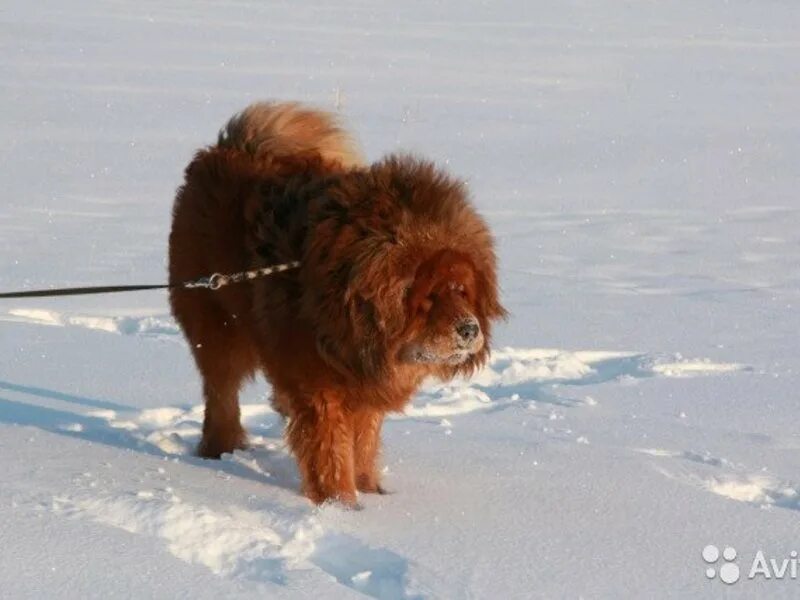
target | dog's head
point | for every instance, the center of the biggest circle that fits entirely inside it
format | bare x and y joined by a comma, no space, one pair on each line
409,277
445,316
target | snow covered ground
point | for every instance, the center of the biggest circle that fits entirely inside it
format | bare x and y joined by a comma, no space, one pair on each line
639,164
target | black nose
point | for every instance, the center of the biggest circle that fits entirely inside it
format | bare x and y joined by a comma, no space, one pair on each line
468,330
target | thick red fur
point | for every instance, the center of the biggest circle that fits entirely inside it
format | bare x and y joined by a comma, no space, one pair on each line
397,282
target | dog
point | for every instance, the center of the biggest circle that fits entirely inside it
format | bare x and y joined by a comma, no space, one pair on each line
397,282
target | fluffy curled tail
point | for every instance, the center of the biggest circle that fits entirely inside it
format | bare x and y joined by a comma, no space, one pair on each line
283,129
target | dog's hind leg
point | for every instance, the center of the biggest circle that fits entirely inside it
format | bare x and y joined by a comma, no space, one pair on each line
280,401
225,357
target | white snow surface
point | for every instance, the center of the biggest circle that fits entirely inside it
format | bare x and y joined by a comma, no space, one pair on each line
638,162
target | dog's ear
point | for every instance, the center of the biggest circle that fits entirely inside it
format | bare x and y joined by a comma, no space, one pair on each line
360,354
488,300
359,312
350,295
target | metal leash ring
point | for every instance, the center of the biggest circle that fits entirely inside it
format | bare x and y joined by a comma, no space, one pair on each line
217,280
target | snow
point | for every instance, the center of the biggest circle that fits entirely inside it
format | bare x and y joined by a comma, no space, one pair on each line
638,163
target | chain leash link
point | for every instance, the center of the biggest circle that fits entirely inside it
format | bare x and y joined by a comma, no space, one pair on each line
217,280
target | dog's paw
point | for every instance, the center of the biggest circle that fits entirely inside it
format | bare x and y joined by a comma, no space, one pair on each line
215,448
370,484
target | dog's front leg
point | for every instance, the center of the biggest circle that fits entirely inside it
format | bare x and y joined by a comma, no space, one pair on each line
366,447
320,433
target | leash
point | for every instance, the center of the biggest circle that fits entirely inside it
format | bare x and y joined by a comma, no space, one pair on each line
212,282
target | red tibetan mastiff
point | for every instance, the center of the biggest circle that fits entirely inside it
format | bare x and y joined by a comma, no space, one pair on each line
397,282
